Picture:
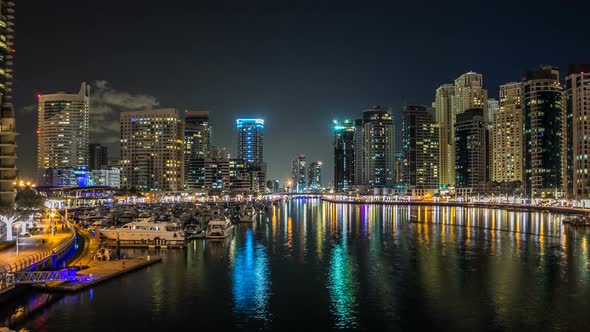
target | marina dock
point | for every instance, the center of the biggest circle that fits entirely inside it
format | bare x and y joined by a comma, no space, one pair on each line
97,272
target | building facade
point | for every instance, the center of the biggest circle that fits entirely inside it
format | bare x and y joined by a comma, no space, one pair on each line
314,175
250,139
98,157
577,131
63,129
420,139
543,132
470,149
374,160
197,144
105,177
8,172
507,135
152,150
343,155
298,175
445,119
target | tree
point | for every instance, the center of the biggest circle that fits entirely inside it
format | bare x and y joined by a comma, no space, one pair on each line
27,202
9,216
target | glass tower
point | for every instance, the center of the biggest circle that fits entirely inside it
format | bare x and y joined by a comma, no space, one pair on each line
250,139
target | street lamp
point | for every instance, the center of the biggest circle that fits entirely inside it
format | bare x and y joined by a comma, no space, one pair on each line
51,222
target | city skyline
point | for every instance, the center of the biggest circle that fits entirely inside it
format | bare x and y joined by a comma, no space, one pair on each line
230,88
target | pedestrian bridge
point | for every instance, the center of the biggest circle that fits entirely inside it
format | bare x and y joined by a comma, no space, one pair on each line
9,280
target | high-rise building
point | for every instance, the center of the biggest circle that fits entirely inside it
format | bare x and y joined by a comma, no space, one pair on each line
469,94
343,155
446,120
577,101
314,175
106,177
420,139
197,144
543,132
466,93
63,129
152,150
250,139
298,174
507,135
8,170
374,148
493,107
471,148
98,157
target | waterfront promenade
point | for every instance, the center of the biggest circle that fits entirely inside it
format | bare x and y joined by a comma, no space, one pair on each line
37,247
473,204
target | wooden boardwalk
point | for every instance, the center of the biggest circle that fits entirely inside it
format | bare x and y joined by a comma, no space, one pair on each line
99,271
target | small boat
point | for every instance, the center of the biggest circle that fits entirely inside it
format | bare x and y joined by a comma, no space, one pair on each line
194,231
219,229
248,215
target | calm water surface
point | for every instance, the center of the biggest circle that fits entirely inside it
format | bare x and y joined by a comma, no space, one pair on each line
308,264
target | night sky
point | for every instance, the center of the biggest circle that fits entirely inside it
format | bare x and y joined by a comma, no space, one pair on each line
298,67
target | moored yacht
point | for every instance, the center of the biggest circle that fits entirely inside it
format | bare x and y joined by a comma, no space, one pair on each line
219,229
145,231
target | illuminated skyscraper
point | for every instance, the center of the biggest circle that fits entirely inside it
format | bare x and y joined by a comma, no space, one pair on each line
63,129
197,145
374,148
577,94
446,121
314,175
298,174
543,132
7,121
507,135
152,150
343,155
250,139
420,147
471,151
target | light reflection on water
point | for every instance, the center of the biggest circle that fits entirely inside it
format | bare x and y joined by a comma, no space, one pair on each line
250,282
337,266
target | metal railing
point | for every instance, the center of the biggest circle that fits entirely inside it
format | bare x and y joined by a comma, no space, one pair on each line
39,257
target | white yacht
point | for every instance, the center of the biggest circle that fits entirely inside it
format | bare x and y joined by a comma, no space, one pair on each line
219,229
249,214
142,230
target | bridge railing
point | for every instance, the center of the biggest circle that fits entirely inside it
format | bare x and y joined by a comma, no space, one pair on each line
26,262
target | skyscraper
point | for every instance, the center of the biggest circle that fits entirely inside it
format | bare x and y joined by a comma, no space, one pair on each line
152,150
577,95
543,132
343,155
298,174
63,129
197,144
314,175
467,92
250,139
471,148
446,120
507,135
493,107
374,148
7,121
420,139
98,157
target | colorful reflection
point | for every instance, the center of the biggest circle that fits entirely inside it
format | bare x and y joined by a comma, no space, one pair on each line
250,279
341,280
